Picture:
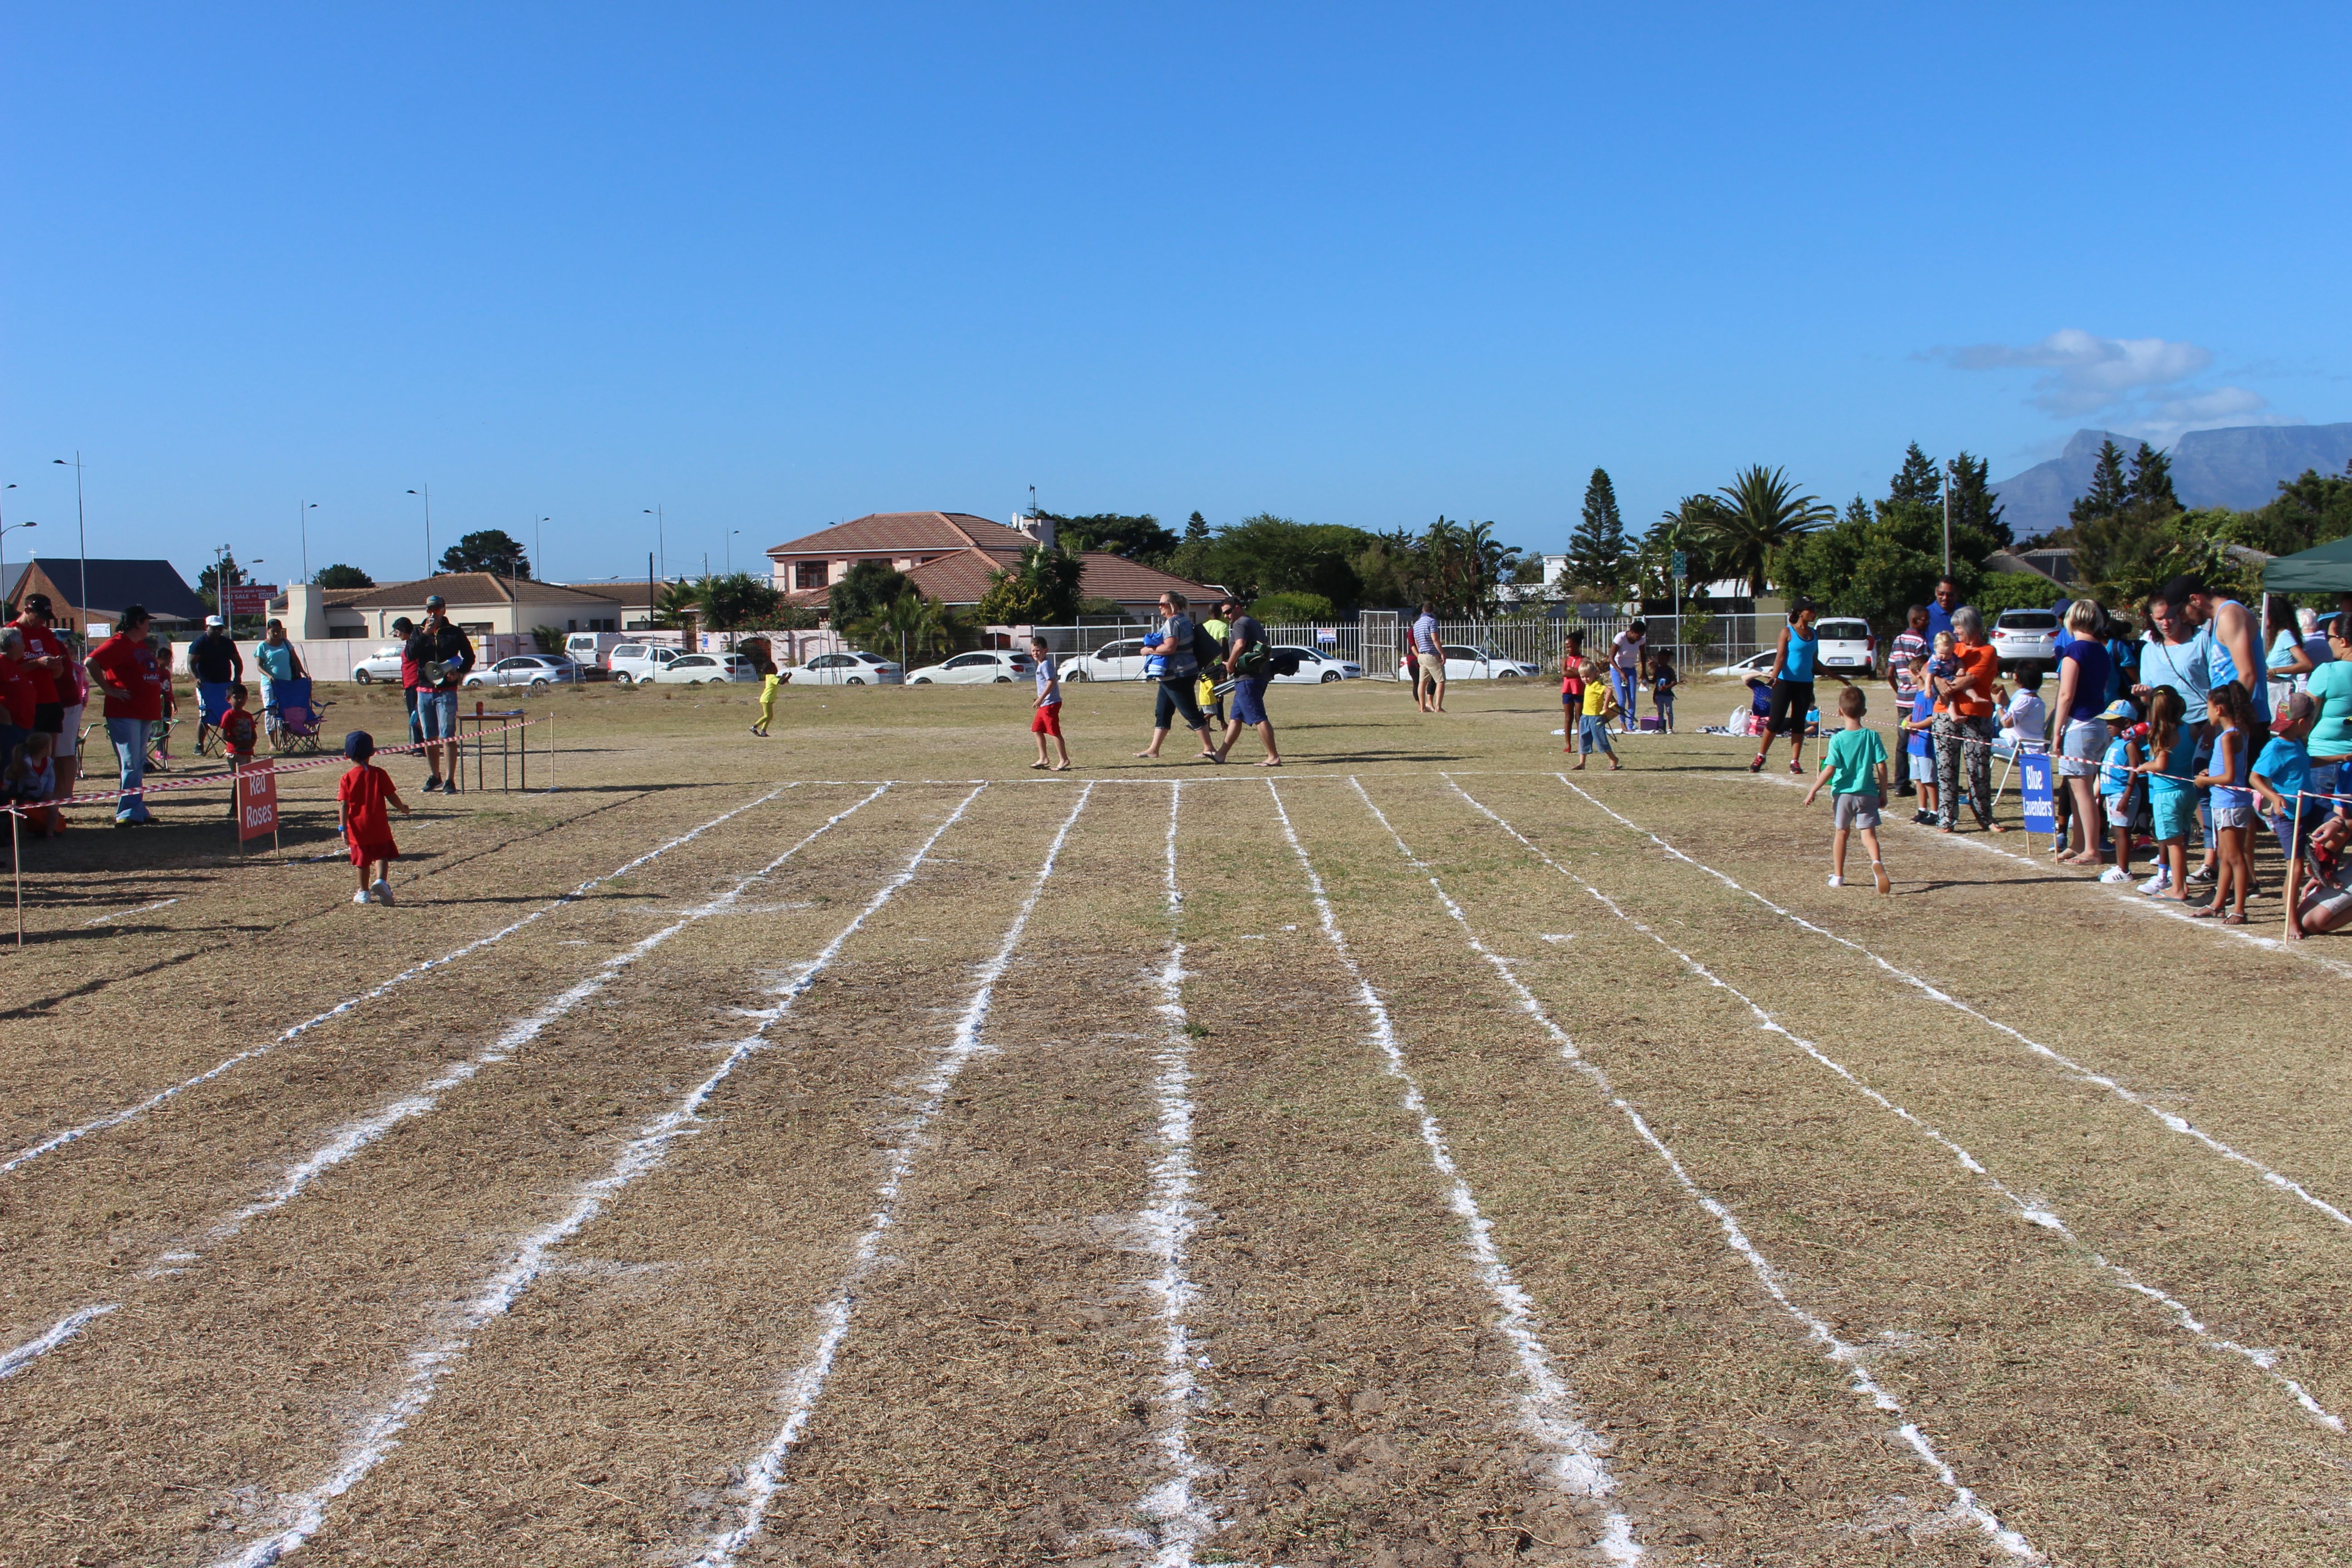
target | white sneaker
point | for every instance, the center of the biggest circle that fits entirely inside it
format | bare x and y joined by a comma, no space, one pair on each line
2157,883
361,897
1837,881
2115,874
381,890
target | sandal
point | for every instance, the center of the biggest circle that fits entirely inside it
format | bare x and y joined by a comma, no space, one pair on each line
2201,912
2234,919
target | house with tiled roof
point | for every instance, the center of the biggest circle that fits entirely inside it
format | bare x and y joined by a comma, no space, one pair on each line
157,585
949,556
484,603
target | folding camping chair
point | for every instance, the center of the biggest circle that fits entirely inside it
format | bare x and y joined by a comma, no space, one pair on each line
295,722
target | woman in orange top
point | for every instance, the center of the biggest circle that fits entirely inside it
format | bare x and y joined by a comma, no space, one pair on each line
1965,725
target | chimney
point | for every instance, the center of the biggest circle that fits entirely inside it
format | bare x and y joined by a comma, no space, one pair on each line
1038,528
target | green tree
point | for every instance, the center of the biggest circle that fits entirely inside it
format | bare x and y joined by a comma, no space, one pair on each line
1268,555
740,601
2109,489
865,588
1292,609
1040,590
1918,480
1759,512
1387,569
341,576
675,603
208,581
1196,530
1139,538
490,549
1974,504
2311,509
2151,483
916,625
1686,527
1597,554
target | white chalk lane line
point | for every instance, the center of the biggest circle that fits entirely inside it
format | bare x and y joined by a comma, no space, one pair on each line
350,1139
1175,1519
379,1431
1549,1408
763,1473
2172,1123
130,1112
2040,1214
1836,1350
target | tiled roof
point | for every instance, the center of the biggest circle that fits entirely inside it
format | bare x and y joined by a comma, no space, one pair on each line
462,589
156,584
904,531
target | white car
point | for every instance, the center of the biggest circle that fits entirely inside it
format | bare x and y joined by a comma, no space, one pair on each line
1314,668
1844,645
999,666
853,668
1754,664
2025,637
1112,661
383,664
526,670
631,662
694,669
1465,663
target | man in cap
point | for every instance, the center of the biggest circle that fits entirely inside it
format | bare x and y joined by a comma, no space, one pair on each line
443,654
213,663
43,661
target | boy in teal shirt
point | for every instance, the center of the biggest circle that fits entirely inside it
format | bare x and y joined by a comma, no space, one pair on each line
1853,764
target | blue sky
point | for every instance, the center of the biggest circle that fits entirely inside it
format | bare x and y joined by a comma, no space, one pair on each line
769,268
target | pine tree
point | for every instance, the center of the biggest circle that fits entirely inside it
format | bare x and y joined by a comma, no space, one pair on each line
1857,511
1597,554
1974,504
1919,480
1196,530
2151,483
2109,489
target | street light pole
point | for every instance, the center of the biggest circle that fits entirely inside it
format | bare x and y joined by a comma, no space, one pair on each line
538,558
1948,466
5,527
661,542
302,511
730,550
82,527
427,495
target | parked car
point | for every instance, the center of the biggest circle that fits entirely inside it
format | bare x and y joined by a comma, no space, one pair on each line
853,668
1465,663
526,670
384,665
1112,661
1754,664
694,669
1843,644
1317,668
996,664
2025,637
634,661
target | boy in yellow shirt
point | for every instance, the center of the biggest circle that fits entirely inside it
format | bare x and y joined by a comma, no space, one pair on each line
1593,726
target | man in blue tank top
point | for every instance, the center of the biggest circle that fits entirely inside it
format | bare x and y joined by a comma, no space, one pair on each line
2233,651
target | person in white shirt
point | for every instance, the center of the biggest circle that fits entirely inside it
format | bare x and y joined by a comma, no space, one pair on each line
2025,722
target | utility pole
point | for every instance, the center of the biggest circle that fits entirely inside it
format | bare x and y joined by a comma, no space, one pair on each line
1948,466
425,494
660,535
302,511
82,527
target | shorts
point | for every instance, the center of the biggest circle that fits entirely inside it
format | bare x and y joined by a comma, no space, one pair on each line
2117,817
363,853
2084,742
212,700
2233,817
437,715
1176,698
49,718
1854,810
1046,720
2174,811
1790,701
1249,703
68,742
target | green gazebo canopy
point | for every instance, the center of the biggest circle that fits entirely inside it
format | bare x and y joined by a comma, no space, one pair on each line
2322,569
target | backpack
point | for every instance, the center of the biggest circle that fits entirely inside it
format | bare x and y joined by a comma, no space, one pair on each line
1205,648
1254,663
1283,663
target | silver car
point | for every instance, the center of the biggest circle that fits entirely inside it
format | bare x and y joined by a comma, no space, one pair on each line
2025,637
1112,661
996,665
852,668
526,670
384,665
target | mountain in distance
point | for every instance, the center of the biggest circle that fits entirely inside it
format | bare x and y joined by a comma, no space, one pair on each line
2238,467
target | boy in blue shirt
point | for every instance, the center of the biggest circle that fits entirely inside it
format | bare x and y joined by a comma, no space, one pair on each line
1920,724
2122,755
1853,764
2284,771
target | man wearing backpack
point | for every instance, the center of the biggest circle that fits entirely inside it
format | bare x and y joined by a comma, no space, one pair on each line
1251,663
1178,645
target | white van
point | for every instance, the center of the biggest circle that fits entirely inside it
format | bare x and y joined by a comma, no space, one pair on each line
592,650
631,662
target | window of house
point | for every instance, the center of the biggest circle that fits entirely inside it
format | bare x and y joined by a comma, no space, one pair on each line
808,575
475,628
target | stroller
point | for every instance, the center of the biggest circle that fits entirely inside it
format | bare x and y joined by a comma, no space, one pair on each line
294,720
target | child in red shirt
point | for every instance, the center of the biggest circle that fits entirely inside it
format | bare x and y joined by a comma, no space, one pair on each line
359,812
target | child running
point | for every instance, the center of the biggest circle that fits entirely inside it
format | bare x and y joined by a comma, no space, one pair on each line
1593,725
2116,781
1047,720
772,680
2232,803
1853,764
360,801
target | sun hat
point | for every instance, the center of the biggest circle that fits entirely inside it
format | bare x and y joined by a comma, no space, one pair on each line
2121,712
359,745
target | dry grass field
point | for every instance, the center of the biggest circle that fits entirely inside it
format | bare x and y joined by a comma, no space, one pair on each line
856,1148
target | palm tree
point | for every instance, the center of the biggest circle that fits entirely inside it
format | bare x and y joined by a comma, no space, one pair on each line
676,602
912,624
1759,512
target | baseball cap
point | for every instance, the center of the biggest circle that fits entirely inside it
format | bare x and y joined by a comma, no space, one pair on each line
213,621
2119,710
38,604
403,624
359,745
2297,707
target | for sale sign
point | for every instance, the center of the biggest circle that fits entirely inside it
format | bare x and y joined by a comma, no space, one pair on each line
256,802
252,598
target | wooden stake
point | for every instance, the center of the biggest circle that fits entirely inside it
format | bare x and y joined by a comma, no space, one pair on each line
16,859
2293,869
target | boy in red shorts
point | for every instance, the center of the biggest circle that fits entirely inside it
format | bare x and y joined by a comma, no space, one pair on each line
1047,720
359,811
